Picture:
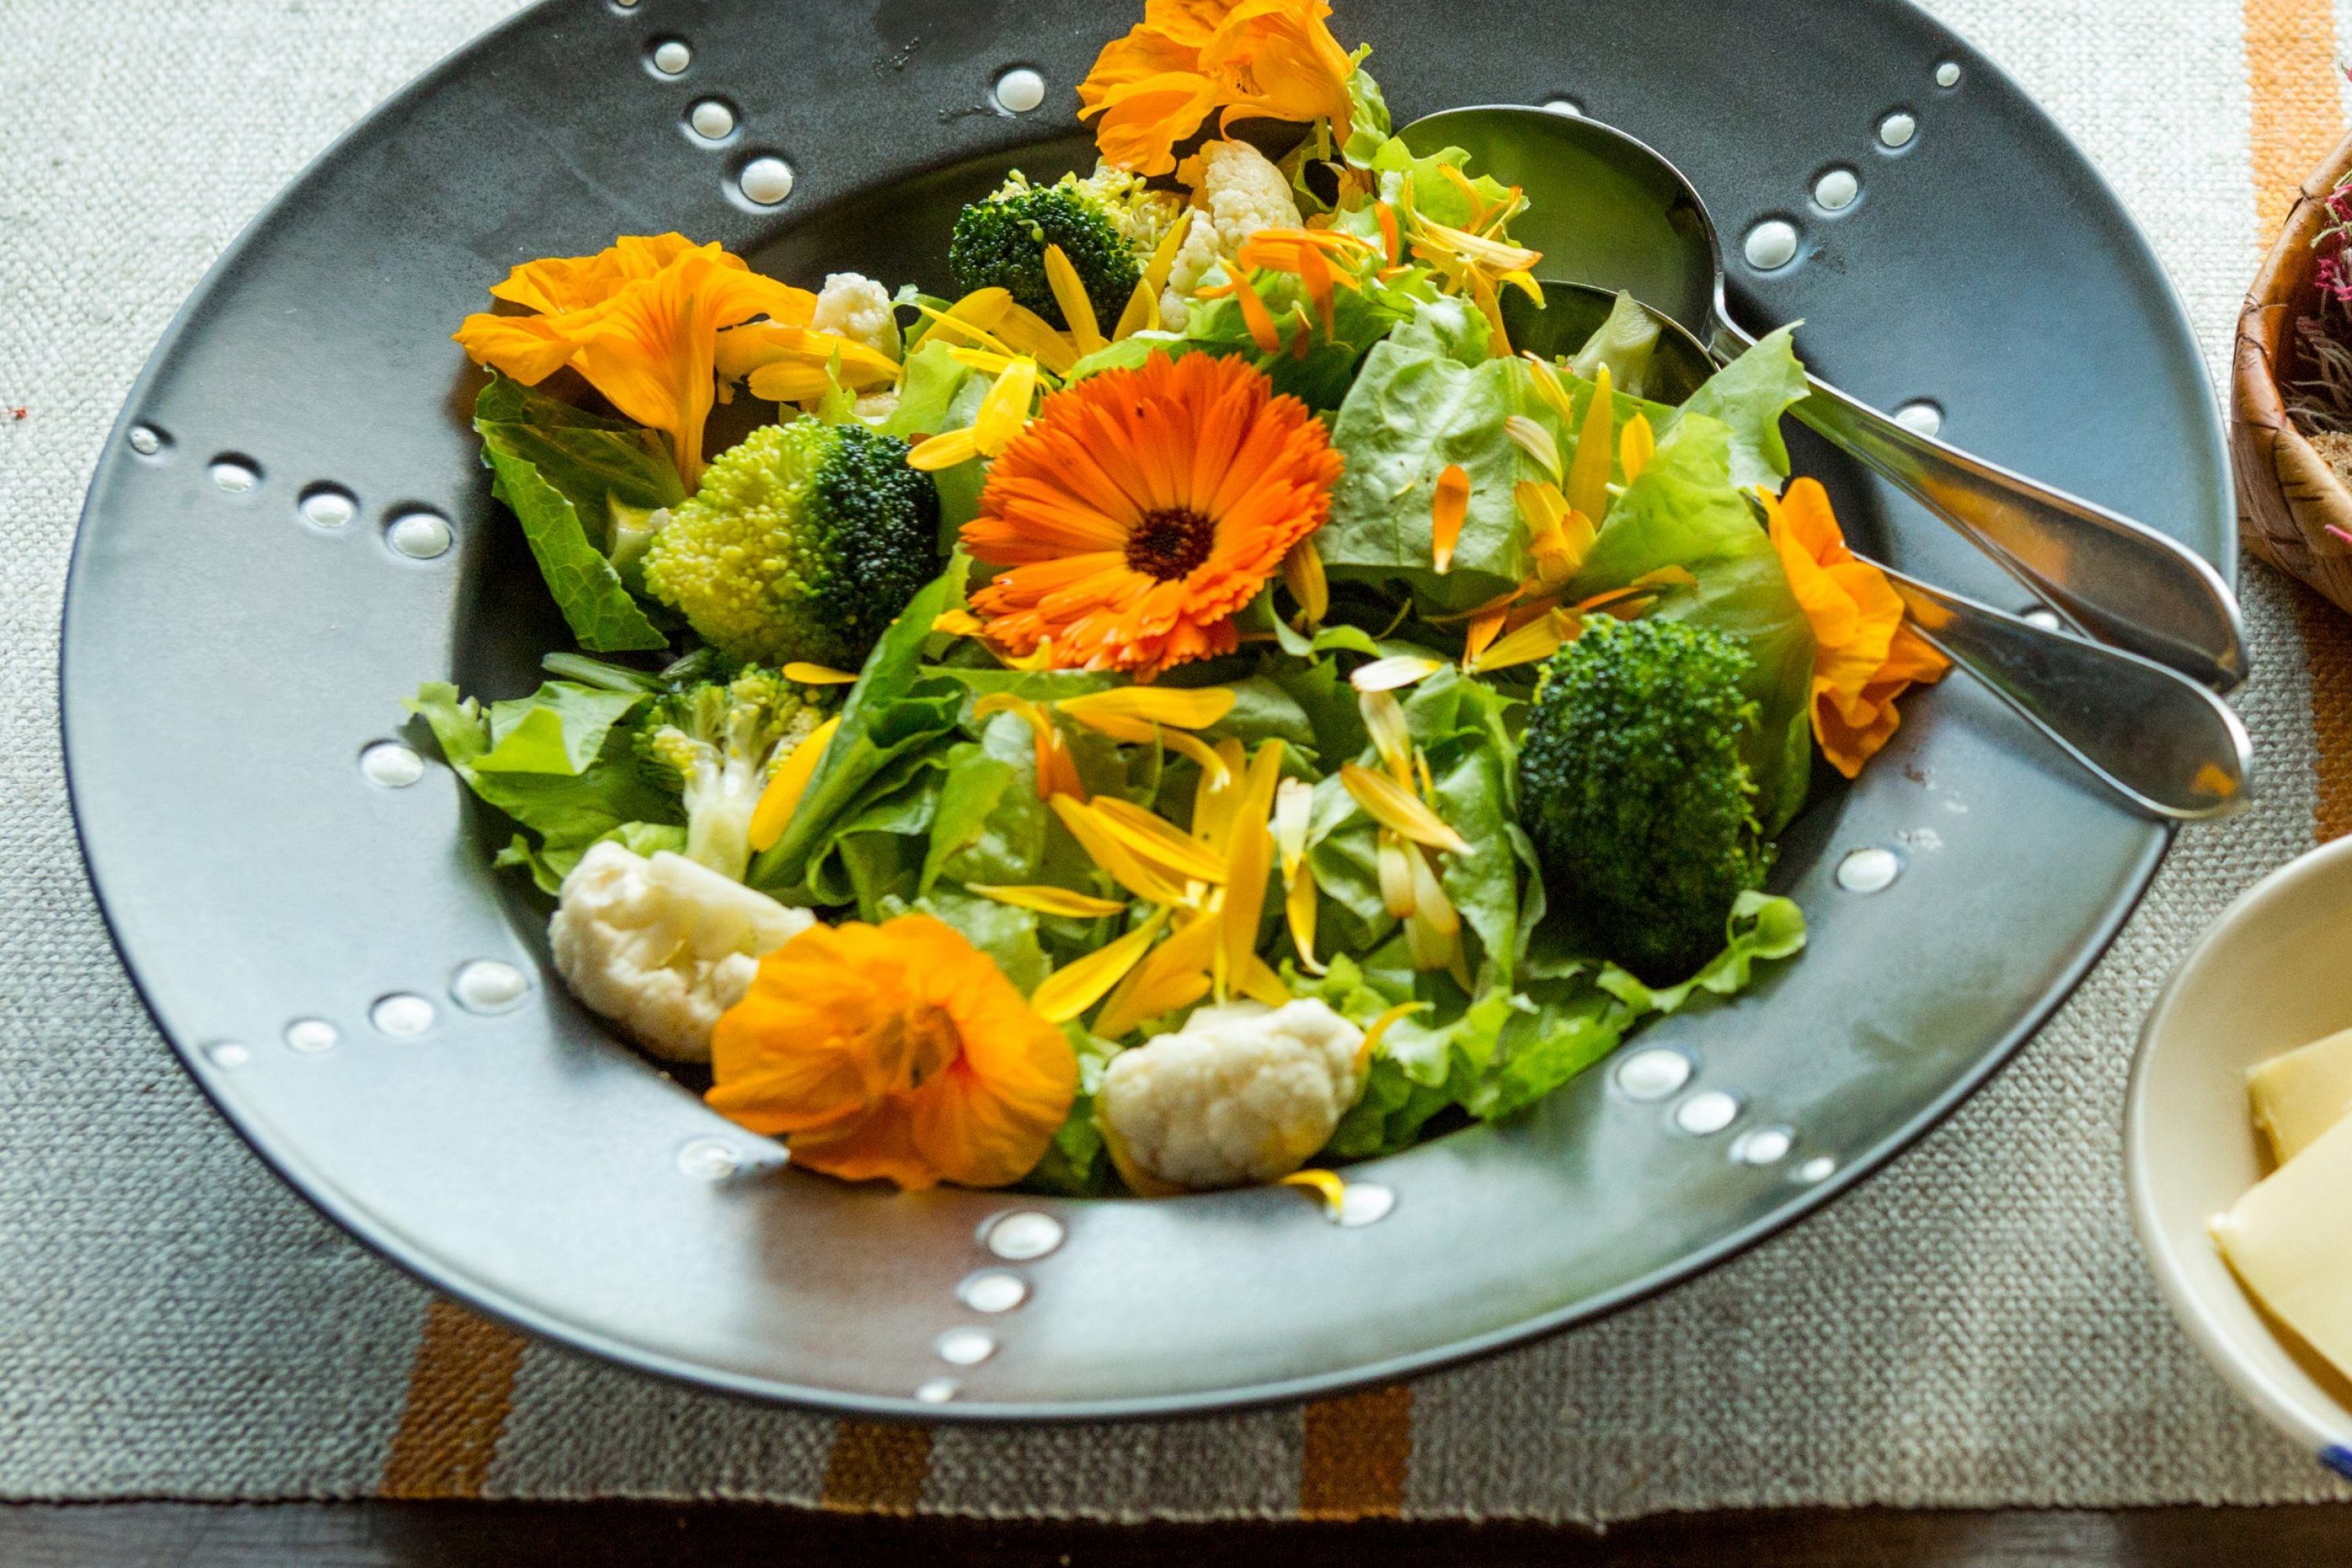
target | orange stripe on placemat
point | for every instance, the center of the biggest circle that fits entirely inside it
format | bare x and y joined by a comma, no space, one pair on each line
2297,99
459,1392
1358,1452
2298,114
876,1466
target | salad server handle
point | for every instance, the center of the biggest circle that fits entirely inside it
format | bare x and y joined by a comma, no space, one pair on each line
2167,744
2109,578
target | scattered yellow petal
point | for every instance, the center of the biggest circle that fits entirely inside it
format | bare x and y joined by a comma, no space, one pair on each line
1128,712
1390,674
1215,796
1050,900
1538,639
1175,976
1025,331
1005,412
1392,736
1323,1184
1294,817
1163,260
1393,806
781,797
1395,863
1536,440
1070,294
1449,508
1257,318
1588,475
1259,983
1141,315
1481,635
942,452
1249,860
1124,866
959,623
1381,1027
818,675
1057,771
1302,574
1070,990
1158,841
1636,447
1549,387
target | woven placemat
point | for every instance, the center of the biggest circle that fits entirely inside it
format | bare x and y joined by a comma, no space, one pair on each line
1972,1327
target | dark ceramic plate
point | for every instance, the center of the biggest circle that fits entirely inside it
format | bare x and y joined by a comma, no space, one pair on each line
227,659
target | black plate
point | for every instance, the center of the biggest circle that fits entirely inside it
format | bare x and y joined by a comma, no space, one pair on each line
226,662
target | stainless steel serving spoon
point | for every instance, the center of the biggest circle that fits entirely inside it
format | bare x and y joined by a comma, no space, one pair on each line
1606,209
2168,746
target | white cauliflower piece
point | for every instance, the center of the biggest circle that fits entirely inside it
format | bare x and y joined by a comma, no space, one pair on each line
662,947
1241,1096
856,306
1240,194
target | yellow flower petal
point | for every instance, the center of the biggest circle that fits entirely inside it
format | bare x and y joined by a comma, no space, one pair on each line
1005,412
818,675
1390,674
1257,981
1549,387
1636,447
1028,332
1175,976
782,796
1381,1027
1141,315
1536,440
1294,815
1163,260
1391,737
1249,860
1538,639
1158,841
1302,574
1588,475
1070,294
1070,990
1128,870
1449,508
1214,796
1120,713
941,452
1323,1184
959,623
1298,910
1050,900
1394,860
1393,806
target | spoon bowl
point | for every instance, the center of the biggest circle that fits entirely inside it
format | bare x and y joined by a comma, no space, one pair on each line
1607,209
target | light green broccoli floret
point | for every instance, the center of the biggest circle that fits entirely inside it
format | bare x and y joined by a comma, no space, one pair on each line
1633,786
713,745
803,544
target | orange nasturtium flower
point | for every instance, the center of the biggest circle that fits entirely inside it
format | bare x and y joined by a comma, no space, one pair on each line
898,1051
640,321
1142,509
1271,60
1866,657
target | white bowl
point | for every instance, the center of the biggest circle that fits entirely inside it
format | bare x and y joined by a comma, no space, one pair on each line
2274,973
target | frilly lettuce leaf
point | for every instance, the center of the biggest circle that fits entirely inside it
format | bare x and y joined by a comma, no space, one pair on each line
1748,397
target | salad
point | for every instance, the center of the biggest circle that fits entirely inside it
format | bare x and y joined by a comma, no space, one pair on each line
1187,708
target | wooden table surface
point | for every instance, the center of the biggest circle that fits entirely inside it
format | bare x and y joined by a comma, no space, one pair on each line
593,1535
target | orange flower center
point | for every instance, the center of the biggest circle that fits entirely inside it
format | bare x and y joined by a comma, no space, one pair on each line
1170,542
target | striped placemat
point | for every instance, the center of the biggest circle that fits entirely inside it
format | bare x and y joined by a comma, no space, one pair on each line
1972,1327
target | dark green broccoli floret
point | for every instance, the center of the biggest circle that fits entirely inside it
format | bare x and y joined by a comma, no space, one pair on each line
713,745
805,543
1633,786
1001,243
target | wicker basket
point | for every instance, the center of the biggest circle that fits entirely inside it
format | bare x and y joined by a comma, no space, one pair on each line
2287,492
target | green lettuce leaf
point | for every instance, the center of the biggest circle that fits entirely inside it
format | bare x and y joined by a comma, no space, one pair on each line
1748,396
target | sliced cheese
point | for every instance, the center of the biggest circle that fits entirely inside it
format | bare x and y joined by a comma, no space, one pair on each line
2302,1094
2290,1240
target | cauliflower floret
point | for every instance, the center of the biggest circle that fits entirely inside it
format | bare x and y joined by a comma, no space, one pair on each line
664,947
856,306
1241,1096
1241,193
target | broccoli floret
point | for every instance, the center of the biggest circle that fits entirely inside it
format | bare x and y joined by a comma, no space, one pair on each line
1104,225
805,543
1633,786
713,745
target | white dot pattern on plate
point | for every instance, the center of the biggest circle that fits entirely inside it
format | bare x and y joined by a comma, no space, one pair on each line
1871,870
487,985
1921,417
938,1391
391,764
1820,1168
767,180
708,1160
145,441
227,1054
712,121
1567,106
1365,1202
419,535
1020,90
311,1035
965,1347
1948,74
329,507
993,1290
672,56
1765,1146
1021,1236
1706,1114
1837,190
402,1016
1771,245
1654,1073
1898,129
235,474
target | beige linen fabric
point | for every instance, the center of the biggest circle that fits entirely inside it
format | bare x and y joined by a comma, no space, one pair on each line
1974,1327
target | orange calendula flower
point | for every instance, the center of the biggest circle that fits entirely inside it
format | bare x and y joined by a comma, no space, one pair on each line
1272,60
640,321
898,1052
1143,508
1866,657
